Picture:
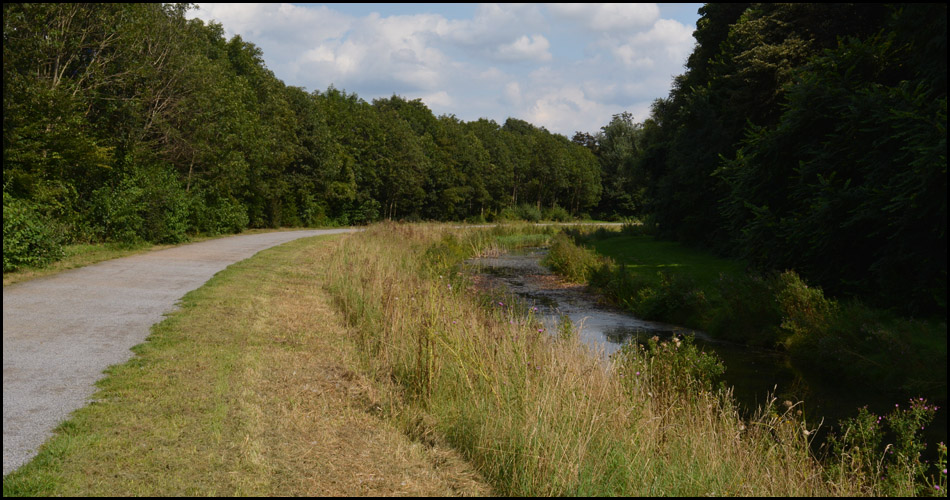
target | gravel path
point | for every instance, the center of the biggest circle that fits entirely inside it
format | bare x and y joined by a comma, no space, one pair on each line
60,332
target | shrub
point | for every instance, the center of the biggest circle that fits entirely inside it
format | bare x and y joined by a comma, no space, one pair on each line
558,214
859,450
671,369
569,260
806,312
675,298
29,238
218,215
147,204
529,213
748,311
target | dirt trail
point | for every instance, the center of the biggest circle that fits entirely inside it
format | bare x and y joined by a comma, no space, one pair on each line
60,332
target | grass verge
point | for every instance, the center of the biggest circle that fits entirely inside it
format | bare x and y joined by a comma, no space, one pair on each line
252,388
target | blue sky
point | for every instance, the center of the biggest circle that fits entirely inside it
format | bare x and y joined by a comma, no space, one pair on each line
567,67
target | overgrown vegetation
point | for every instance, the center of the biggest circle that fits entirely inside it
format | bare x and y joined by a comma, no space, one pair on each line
843,339
541,415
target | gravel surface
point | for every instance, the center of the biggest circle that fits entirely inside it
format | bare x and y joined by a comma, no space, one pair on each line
60,332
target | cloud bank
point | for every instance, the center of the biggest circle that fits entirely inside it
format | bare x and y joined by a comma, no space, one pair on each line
567,67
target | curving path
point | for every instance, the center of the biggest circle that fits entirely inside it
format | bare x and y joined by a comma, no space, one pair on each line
60,332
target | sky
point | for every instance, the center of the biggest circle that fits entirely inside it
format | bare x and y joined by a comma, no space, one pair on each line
566,67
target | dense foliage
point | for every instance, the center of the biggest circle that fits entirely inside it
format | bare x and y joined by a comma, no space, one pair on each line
811,137
801,136
128,122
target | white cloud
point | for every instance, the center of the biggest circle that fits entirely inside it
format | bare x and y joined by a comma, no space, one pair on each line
518,60
662,49
512,94
565,109
534,48
263,23
438,99
495,24
608,16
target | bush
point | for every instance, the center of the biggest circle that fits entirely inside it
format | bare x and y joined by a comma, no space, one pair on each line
748,312
29,239
899,464
671,369
529,213
558,214
675,299
147,205
806,313
569,260
218,215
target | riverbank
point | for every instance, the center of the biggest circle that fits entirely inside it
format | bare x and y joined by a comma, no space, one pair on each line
838,339
542,415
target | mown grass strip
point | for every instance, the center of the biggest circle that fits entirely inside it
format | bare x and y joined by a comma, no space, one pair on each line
251,388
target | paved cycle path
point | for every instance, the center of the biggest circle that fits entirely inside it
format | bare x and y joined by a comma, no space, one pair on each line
60,332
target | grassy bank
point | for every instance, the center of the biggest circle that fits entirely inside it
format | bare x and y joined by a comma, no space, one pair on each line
838,338
252,388
541,415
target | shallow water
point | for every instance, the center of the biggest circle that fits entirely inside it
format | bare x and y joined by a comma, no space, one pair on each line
754,373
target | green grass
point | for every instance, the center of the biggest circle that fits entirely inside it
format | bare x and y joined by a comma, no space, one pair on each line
647,256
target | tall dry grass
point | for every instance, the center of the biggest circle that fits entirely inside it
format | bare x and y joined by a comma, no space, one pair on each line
541,416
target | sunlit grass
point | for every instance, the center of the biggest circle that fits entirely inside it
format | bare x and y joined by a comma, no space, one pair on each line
540,416
253,388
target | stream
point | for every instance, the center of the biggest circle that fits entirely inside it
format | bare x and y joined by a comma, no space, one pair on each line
754,373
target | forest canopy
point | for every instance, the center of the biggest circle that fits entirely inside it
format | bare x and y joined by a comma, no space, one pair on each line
128,122
811,137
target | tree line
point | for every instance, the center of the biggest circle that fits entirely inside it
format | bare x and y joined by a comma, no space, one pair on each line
801,136
128,122
810,137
